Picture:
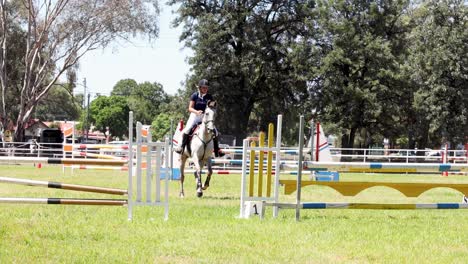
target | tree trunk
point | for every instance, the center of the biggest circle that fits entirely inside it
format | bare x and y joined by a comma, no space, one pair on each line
423,137
235,121
352,135
23,118
347,141
19,132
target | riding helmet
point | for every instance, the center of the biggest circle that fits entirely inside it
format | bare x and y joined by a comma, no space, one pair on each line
203,82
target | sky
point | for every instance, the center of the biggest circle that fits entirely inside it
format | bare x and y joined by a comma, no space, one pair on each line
163,61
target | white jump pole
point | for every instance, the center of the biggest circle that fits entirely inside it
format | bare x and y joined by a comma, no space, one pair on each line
299,169
278,163
130,165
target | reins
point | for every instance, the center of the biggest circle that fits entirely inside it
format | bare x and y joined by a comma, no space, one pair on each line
205,144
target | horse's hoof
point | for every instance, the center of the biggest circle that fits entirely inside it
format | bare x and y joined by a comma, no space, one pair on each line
199,194
181,195
205,187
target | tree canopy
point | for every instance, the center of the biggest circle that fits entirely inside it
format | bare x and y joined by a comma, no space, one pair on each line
242,48
368,70
438,68
111,112
53,36
371,69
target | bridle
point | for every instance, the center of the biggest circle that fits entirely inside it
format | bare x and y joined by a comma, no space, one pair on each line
211,131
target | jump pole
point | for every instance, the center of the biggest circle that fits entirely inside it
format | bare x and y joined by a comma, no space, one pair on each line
299,171
261,143
251,170
65,161
130,166
269,158
377,206
65,201
65,186
386,167
278,163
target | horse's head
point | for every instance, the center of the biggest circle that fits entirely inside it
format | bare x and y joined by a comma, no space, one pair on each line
209,116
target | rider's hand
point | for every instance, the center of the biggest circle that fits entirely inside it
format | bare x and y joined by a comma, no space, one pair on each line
199,112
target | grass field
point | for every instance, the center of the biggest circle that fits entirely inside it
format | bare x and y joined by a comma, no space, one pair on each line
207,230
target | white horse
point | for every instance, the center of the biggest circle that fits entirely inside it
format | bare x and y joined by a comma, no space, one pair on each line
201,148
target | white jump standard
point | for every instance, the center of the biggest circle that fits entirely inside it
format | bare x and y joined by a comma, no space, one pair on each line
154,195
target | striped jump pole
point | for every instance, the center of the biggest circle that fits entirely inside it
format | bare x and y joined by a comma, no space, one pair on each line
64,201
87,167
65,161
218,171
65,186
376,206
98,146
95,155
386,167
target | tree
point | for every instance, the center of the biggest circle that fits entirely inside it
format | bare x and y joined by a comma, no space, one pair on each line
57,34
11,56
110,112
438,69
170,113
146,101
160,128
354,62
124,87
242,47
59,104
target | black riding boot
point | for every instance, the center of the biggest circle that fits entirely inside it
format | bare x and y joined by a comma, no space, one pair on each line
217,151
181,148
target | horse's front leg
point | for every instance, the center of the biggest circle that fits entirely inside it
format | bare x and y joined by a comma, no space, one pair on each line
208,176
198,171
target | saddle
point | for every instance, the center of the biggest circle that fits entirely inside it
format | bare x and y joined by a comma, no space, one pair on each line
191,133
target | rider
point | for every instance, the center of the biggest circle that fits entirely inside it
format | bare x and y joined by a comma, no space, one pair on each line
197,105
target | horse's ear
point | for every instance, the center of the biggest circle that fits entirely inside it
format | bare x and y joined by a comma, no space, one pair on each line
212,103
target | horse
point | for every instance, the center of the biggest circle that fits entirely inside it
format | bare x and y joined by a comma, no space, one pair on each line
201,146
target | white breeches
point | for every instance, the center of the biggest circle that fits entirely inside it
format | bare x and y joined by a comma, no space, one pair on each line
194,119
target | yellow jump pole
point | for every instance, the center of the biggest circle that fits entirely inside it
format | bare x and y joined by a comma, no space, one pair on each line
261,143
252,170
269,158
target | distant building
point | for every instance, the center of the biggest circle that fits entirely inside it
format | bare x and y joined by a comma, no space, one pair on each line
33,128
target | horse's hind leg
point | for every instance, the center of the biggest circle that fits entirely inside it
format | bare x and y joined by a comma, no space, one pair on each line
182,177
207,181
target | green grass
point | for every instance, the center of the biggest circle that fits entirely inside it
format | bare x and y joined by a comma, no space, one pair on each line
207,230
